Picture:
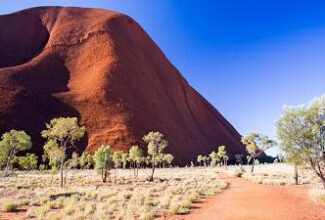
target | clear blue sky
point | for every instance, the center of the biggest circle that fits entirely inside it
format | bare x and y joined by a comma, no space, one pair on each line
248,58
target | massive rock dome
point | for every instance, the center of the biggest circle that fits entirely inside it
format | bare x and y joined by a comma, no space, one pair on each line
101,67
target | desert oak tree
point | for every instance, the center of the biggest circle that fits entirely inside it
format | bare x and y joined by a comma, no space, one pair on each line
103,160
11,143
61,134
155,146
256,144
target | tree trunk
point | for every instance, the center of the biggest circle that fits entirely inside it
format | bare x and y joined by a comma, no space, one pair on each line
8,162
225,163
136,169
61,173
253,164
104,174
152,171
65,177
296,175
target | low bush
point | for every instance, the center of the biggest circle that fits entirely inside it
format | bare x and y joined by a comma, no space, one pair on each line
9,206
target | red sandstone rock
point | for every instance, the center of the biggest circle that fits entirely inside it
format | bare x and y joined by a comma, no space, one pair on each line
102,67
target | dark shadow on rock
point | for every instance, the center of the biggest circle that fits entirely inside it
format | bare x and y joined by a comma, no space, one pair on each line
41,99
22,37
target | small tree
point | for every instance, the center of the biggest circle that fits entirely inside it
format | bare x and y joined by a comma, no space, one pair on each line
117,159
27,162
63,133
147,161
256,144
3,157
156,145
290,132
280,157
168,159
124,159
239,159
159,160
297,159
86,160
73,163
200,159
135,158
103,161
214,158
53,154
222,153
206,160
11,143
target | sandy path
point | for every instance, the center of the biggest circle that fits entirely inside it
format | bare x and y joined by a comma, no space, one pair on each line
247,200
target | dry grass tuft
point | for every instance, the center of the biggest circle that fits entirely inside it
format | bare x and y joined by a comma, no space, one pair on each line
317,195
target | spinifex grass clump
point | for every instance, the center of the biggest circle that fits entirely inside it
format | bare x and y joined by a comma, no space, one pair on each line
9,206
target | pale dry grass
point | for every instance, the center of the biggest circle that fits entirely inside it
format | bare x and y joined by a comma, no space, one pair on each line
276,174
122,197
317,195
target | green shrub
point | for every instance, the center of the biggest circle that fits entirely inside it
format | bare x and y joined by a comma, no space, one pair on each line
28,162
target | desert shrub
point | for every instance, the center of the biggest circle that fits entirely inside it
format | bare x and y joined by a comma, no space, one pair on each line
73,162
165,200
23,201
42,211
42,167
117,159
103,161
31,212
186,203
69,209
193,196
11,143
57,204
135,158
86,160
9,206
147,214
90,208
214,158
177,208
167,160
28,162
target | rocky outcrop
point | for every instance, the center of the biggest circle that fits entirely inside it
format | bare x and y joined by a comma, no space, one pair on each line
102,67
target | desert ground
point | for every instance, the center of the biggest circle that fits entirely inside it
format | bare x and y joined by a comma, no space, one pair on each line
176,193
122,197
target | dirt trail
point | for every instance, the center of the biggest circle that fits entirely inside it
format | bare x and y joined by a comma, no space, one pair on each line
247,200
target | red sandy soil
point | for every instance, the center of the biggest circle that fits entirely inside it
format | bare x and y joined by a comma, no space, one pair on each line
245,200
101,67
